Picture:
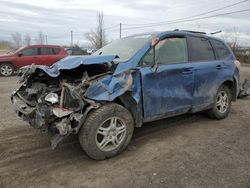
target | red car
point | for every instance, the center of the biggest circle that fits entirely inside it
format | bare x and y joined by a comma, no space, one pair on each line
34,54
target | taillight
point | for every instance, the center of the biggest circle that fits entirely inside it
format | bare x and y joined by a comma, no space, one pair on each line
237,64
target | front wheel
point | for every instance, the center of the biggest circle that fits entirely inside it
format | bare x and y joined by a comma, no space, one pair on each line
6,69
107,131
222,104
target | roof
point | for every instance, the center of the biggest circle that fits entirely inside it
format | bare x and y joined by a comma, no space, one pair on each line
43,45
161,34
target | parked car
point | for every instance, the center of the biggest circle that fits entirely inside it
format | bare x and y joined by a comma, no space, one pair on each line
133,80
33,54
91,51
76,51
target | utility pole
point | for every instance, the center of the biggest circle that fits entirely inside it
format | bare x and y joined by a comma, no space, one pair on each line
120,30
71,37
101,33
46,39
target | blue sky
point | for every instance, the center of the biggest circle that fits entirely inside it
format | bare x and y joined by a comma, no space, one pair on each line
56,18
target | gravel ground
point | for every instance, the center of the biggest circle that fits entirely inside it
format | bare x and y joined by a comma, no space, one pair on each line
185,151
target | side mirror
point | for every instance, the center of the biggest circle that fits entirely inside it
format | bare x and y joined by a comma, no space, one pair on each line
154,41
20,54
154,67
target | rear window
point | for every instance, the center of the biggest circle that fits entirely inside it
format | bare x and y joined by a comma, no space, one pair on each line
46,51
56,51
221,49
200,49
49,51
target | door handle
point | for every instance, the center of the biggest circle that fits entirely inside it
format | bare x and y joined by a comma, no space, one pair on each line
218,67
188,70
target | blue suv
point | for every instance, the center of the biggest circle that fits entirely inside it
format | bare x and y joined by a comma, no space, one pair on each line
133,80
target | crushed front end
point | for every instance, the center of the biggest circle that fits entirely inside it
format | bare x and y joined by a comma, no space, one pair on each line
57,99
56,105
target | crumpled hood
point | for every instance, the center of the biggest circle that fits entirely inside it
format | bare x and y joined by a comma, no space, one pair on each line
72,62
106,89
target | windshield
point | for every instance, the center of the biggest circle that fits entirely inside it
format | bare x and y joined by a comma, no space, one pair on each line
14,51
125,48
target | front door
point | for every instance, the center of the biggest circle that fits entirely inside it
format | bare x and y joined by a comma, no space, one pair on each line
168,89
28,56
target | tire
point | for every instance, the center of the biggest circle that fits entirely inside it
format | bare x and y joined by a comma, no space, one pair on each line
222,103
107,131
6,69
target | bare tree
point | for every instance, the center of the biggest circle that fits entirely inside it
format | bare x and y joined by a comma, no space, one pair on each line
27,40
17,39
97,37
40,38
231,37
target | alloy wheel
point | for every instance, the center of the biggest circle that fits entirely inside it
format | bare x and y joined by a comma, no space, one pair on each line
6,70
111,134
222,102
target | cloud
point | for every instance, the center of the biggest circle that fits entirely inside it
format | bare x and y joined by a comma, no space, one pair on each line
56,18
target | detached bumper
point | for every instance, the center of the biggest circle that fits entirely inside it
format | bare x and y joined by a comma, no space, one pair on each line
36,117
245,89
21,108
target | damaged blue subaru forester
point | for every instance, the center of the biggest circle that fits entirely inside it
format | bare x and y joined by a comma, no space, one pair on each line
133,80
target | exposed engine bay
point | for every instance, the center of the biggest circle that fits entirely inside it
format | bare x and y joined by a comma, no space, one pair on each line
57,105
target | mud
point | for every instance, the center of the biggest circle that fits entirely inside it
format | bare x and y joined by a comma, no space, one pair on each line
185,151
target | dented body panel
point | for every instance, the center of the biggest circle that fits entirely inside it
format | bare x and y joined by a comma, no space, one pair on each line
57,99
161,95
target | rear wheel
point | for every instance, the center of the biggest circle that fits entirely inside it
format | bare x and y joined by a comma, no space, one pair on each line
107,131
222,104
6,69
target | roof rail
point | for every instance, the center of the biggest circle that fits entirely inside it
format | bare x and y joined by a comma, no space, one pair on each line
216,32
198,32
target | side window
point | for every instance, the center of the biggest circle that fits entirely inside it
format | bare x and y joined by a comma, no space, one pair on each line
56,51
200,49
46,51
30,52
168,51
221,49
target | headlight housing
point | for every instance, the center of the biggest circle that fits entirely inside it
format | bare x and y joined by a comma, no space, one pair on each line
52,98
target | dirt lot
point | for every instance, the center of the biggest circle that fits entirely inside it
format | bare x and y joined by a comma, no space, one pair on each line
187,151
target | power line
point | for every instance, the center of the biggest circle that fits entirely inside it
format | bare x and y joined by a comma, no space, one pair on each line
107,28
111,27
200,18
196,15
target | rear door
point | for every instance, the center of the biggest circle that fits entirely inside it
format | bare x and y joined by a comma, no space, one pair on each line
206,69
47,56
168,89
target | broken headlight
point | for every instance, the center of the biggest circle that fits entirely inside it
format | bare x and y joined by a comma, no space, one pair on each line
52,98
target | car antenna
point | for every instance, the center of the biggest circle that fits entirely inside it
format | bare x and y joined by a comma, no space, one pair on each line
216,32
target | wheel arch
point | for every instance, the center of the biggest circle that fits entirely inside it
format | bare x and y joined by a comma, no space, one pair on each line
128,102
9,62
232,86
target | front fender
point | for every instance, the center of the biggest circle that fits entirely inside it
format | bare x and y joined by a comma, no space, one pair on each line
113,86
